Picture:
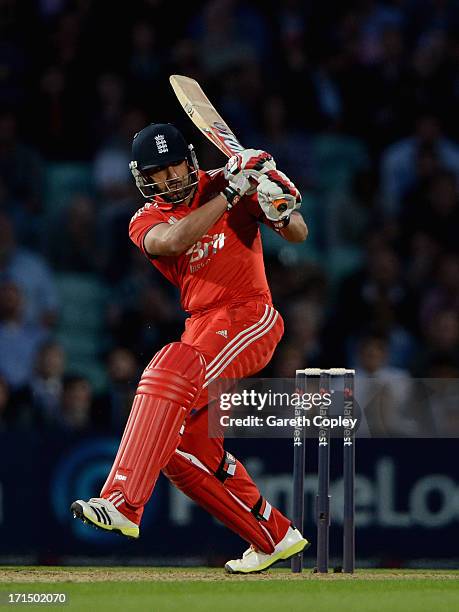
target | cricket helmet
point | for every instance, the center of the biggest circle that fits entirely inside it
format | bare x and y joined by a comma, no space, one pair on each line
156,147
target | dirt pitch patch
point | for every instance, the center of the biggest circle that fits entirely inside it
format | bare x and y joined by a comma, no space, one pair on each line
88,575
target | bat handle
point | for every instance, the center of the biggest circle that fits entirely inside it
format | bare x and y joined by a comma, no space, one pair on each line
280,204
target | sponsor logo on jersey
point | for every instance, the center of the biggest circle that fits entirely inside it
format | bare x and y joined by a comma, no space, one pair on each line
222,332
204,249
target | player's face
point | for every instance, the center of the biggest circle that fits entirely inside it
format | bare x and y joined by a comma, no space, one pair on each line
173,180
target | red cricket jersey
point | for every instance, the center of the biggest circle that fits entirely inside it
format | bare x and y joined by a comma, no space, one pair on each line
226,265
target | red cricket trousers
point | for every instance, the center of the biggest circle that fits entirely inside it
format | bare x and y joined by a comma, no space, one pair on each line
237,341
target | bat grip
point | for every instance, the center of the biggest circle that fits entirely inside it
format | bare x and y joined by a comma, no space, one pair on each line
280,205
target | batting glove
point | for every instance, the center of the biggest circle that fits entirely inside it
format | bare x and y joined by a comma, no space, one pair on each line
250,163
256,160
277,195
237,180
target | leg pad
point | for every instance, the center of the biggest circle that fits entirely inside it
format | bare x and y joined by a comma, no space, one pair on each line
167,391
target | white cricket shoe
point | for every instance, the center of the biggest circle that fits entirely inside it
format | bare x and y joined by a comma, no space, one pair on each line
101,513
256,561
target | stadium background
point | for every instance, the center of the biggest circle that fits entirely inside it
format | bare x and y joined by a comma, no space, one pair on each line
357,101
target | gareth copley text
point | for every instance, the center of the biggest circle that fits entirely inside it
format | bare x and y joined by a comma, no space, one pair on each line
298,421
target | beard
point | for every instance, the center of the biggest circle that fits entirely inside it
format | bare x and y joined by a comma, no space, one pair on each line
179,190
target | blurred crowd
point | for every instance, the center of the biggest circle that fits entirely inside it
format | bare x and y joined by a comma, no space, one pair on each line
357,101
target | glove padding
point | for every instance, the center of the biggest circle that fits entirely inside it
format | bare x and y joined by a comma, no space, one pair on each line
243,170
277,195
256,160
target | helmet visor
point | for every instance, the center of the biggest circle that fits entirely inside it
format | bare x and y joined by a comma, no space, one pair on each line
173,190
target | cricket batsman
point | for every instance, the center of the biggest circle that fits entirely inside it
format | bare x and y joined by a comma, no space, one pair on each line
201,231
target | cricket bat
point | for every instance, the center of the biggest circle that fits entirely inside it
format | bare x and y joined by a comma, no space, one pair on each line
203,114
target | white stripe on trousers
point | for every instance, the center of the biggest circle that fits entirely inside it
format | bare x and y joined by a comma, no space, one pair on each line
232,352
235,339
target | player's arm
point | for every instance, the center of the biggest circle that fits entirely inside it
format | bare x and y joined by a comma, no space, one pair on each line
165,239
296,230
280,200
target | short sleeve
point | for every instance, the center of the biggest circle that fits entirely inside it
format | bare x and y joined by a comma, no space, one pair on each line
143,220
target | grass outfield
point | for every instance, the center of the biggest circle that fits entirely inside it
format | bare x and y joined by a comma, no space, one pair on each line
203,590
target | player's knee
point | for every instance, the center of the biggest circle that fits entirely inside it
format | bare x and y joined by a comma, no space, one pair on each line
175,373
183,474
